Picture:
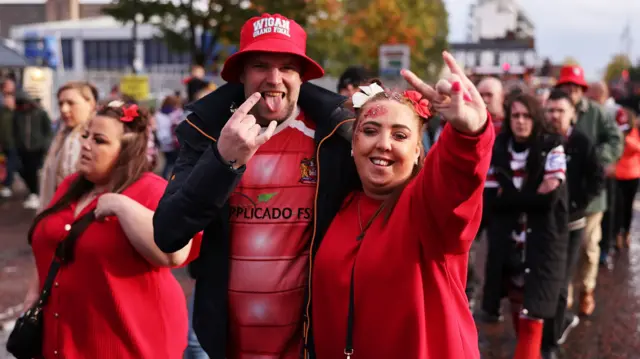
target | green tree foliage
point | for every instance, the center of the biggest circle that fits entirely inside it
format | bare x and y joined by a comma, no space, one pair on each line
615,67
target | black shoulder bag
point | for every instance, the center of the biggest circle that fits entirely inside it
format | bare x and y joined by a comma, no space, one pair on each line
25,341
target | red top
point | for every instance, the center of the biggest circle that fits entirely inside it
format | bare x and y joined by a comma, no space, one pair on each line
410,274
628,166
271,213
109,302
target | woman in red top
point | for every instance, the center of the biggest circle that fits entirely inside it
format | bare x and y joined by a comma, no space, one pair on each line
395,256
627,179
117,297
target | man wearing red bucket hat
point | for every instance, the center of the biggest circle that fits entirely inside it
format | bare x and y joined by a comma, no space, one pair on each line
603,131
248,174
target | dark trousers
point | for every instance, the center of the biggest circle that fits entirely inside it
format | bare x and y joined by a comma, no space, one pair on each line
473,281
31,163
626,193
12,163
169,161
553,327
608,219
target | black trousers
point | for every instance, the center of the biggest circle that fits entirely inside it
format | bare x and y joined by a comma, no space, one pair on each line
608,219
473,280
553,327
626,193
31,163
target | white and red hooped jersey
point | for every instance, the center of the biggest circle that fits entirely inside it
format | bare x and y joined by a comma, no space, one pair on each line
271,228
555,167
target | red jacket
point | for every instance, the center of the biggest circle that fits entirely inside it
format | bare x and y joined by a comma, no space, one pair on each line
628,166
410,273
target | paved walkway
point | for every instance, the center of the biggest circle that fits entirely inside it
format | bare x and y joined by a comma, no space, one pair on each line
612,332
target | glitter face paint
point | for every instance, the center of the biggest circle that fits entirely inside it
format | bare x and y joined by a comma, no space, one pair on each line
376,111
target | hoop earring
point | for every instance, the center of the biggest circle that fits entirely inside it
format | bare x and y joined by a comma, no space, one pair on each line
351,152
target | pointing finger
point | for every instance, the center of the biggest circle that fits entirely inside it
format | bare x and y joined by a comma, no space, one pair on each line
468,86
266,135
246,106
426,90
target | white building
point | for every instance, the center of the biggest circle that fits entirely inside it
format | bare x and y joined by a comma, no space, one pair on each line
496,19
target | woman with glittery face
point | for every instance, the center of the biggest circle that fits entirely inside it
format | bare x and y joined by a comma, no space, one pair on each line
389,277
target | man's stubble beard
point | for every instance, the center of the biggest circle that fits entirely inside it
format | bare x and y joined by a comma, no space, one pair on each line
264,122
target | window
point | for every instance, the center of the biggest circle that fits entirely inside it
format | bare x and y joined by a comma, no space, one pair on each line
107,54
67,53
156,52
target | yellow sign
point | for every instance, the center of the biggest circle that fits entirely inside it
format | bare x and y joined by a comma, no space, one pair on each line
136,86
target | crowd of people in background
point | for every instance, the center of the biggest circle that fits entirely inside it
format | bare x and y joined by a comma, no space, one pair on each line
557,201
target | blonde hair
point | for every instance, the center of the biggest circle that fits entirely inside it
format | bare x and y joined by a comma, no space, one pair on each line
86,90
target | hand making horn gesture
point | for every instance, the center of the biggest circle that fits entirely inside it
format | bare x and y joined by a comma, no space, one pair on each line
455,98
240,137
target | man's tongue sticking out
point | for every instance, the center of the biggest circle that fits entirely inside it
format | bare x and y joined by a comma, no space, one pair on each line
274,101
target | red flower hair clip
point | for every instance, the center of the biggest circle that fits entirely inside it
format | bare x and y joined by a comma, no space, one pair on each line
421,105
130,113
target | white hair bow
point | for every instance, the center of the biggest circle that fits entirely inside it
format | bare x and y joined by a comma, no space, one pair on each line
115,103
367,92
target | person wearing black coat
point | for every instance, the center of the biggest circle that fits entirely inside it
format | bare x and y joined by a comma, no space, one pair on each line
585,179
528,233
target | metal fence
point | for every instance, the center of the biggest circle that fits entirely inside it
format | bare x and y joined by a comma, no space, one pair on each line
162,81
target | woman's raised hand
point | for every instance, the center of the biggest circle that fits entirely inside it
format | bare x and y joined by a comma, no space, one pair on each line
455,98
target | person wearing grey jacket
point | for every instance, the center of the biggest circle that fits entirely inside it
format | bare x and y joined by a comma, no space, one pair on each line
602,130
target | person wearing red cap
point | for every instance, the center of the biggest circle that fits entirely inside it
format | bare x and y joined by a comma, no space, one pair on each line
249,175
604,133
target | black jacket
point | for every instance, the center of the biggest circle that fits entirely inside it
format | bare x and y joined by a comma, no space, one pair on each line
197,195
31,124
585,174
547,231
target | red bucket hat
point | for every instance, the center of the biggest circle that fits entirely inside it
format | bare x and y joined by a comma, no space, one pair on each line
572,74
271,33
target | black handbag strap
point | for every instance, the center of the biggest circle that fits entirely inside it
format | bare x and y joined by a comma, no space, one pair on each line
348,347
64,253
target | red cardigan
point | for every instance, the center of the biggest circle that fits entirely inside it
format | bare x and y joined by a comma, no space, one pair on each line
410,274
109,302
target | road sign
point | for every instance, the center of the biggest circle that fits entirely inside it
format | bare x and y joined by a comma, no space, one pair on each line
393,58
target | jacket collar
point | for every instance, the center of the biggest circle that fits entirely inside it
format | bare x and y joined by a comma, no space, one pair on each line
583,106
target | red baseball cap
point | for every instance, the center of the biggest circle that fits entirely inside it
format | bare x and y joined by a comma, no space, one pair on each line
271,33
572,74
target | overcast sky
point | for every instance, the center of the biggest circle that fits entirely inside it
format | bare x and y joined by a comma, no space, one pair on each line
588,30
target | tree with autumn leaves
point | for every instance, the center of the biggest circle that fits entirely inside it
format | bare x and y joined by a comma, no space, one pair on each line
420,24
340,32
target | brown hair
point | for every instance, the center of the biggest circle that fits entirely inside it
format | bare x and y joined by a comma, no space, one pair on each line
130,165
86,90
535,111
171,100
392,95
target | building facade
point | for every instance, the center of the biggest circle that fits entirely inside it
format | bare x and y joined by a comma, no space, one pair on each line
497,19
495,57
22,12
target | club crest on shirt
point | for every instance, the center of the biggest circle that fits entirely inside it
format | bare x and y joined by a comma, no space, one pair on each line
308,171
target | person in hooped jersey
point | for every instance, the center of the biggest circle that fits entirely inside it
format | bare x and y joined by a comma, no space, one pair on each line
528,233
260,171
585,181
389,277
